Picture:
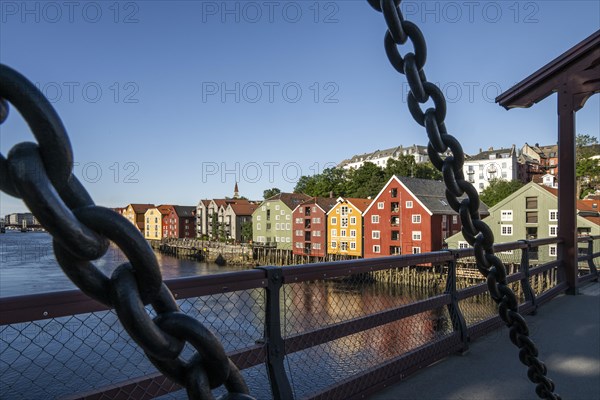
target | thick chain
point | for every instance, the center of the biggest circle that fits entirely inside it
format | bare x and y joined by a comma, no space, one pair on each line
476,232
41,174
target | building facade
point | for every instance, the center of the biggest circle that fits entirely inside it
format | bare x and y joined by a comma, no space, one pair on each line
272,220
235,216
380,157
409,216
489,165
154,222
136,214
310,226
345,227
532,213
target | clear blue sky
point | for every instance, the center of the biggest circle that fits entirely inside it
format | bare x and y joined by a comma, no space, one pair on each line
184,98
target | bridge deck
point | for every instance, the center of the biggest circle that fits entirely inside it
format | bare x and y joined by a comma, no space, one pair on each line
567,332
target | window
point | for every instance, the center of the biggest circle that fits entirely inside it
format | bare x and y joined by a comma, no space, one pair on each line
344,210
298,233
376,249
344,222
352,245
287,226
455,219
258,226
333,220
277,239
552,250
288,240
344,246
553,230
316,233
506,230
277,207
333,244
334,232
506,215
147,219
375,219
277,226
416,235
263,208
444,219
416,218
394,192
277,218
317,246
463,245
380,205
352,232
375,234
352,220
416,250
298,220
553,215
531,217
288,217
282,212
481,183
343,233
409,204
531,203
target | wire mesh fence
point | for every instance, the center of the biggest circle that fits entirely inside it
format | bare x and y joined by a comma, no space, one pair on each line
334,329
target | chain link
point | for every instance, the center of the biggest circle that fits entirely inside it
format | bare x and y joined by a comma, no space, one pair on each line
41,175
476,232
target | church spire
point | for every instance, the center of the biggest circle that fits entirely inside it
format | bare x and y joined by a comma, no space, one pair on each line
236,192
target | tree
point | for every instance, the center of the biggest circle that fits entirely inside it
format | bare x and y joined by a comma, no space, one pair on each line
498,190
271,192
365,181
405,165
246,231
587,170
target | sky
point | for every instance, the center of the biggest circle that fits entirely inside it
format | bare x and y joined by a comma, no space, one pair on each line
173,102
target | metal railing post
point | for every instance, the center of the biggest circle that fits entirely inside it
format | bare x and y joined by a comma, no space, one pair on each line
525,283
590,260
280,385
458,321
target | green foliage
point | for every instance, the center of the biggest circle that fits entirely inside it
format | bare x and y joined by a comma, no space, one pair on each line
368,180
587,170
246,231
499,190
270,192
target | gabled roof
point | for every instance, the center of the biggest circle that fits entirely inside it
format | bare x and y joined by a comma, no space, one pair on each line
243,208
430,194
324,203
185,211
290,199
358,203
140,208
205,203
485,155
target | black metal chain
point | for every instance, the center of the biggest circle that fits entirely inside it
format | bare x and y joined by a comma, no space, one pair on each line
476,232
41,174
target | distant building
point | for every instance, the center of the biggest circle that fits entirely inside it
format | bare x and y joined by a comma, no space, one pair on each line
235,216
532,213
409,216
492,164
135,213
272,220
380,157
310,226
178,221
19,219
546,156
345,226
154,221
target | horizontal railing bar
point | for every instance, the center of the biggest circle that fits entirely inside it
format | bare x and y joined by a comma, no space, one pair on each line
392,371
41,306
334,269
153,385
551,293
335,331
544,267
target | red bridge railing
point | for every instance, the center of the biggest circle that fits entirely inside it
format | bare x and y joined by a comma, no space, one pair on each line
286,327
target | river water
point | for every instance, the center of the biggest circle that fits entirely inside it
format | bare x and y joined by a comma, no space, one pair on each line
56,357
28,266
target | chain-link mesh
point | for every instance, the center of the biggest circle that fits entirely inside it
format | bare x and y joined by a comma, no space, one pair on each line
317,304
87,352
